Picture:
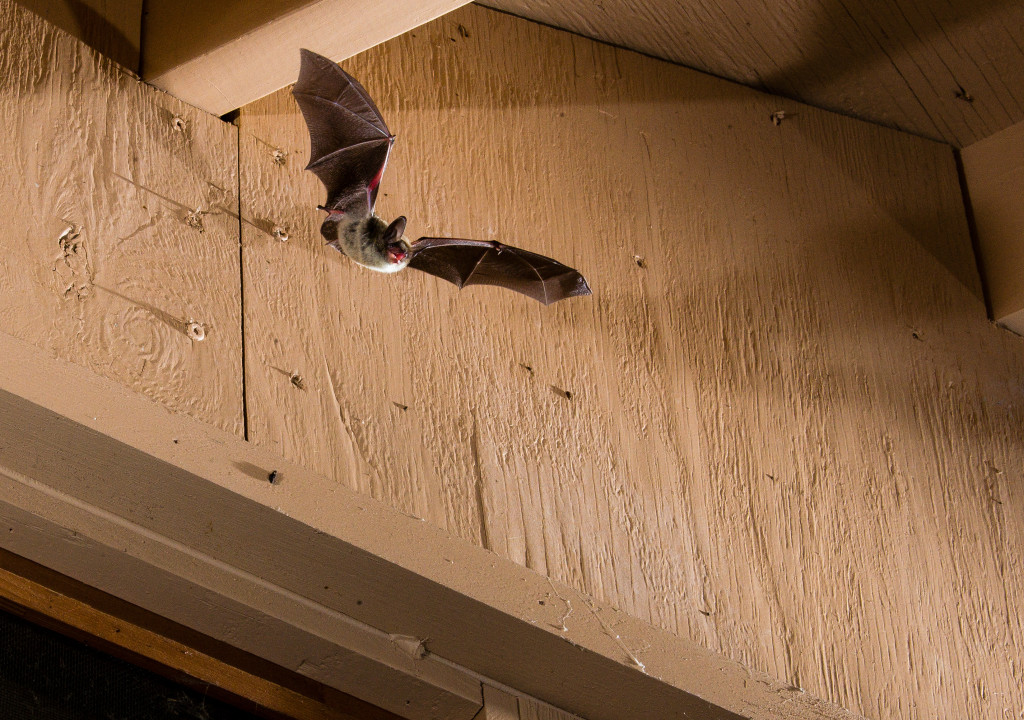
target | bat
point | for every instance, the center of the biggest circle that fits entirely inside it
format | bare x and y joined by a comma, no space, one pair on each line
349,148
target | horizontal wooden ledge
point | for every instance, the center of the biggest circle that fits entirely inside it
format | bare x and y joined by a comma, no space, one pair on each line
220,56
54,601
180,519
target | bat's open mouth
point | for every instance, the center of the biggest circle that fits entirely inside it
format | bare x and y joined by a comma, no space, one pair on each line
396,253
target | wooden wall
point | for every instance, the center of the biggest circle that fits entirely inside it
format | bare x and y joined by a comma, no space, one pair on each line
120,243
781,426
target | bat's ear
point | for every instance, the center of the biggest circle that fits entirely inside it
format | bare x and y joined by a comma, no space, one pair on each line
395,230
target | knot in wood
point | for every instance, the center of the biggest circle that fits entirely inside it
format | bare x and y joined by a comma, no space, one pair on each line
194,219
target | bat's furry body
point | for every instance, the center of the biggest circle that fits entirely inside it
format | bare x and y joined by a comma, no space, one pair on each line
366,241
349,149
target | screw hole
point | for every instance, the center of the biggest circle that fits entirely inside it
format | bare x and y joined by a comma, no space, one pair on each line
196,331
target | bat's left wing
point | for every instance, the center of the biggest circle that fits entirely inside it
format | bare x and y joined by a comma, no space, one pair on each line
349,141
485,262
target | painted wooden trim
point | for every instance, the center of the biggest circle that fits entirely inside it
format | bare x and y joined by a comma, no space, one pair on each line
220,56
994,175
181,519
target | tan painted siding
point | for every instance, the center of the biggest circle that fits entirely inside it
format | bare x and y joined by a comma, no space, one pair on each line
782,426
120,226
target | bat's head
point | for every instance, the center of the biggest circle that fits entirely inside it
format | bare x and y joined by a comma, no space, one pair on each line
395,246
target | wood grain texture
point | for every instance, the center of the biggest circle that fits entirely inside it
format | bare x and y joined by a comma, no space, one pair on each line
782,426
178,518
498,705
111,27
945,69
530,710
120,250
994,176
220,56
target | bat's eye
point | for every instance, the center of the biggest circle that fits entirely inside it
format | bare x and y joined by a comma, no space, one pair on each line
396,253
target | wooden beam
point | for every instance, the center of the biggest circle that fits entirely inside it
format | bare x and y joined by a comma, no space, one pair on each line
220,56
59,603
181,519
994,177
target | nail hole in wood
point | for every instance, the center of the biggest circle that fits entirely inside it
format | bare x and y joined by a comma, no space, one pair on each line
196,331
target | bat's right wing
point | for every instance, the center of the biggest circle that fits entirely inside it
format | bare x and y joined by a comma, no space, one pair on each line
485,262
349,141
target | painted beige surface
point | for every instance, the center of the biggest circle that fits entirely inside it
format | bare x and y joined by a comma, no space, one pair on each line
220,56
946,69
120,246
782,427
178,518
113,27
994,173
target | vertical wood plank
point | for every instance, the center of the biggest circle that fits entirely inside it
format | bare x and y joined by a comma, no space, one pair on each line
530,709
782,426
498,705
120,250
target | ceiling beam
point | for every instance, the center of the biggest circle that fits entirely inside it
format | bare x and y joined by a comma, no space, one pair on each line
994,177
73,609
220,56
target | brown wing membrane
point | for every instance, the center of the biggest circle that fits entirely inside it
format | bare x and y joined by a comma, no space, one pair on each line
483,262
349,141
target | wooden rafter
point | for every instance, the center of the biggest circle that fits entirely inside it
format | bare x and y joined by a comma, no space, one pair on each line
220,56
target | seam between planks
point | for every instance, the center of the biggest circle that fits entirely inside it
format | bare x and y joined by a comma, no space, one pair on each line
241,277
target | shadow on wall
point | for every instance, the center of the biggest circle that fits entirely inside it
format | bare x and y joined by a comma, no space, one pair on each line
880,55
841,39
608,83
83,21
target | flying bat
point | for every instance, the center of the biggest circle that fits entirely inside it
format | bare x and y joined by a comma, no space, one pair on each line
349,149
